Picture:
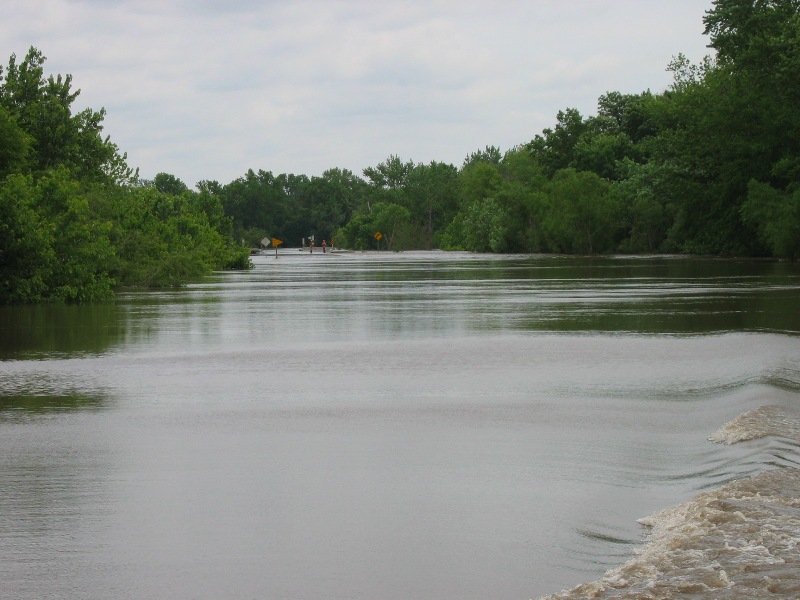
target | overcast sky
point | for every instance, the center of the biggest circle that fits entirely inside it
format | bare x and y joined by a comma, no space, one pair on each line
206,89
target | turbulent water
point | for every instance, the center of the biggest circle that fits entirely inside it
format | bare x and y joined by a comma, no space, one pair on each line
741,540
416,425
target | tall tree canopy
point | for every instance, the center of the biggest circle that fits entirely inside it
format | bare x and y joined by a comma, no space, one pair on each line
43,108
75,221
710,165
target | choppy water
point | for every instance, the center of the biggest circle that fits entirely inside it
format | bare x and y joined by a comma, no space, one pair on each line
738,541
408,425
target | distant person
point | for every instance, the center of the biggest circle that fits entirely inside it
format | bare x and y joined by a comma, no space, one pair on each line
324,247
311,246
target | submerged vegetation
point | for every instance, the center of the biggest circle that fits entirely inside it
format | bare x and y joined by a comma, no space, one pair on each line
709,166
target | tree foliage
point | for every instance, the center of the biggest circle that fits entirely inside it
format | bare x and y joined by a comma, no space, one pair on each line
43,108
710,165
75,221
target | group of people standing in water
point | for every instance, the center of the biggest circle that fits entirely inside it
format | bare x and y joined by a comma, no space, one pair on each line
324,246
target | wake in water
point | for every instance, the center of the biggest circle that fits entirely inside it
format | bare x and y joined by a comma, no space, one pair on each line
739,541
760,422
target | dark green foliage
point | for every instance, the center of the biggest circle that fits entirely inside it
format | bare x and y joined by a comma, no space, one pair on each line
776,217
478,227
74,221
14,144
555,148
165,239
711,165
291,207
52,248
490,155
580,215
42,108
26,244
431,196
167,183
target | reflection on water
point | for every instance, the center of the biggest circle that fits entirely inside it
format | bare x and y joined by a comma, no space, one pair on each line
388,295
59,331
381,425
42,404
337,298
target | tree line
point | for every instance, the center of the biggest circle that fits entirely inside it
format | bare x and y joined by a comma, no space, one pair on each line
76,222
709,166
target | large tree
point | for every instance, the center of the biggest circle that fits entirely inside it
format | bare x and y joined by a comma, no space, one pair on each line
758,44
75,221
43,108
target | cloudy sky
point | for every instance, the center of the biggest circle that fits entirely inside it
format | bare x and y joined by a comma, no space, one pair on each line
206,89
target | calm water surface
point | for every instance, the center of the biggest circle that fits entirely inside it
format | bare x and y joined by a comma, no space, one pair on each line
417,425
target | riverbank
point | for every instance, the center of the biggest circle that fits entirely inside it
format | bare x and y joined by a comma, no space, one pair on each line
740,541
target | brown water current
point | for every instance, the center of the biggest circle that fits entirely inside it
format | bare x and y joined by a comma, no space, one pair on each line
426,425
738,542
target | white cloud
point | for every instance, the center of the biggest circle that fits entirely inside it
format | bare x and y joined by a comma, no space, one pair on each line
206,89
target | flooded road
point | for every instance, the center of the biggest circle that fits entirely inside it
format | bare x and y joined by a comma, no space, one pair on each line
380,425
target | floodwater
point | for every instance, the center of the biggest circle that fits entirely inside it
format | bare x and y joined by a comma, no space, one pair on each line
409,425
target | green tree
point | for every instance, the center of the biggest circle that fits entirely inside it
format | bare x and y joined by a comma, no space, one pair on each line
478,227
26,244
731,122
478,181
632,113
167,183
432,198
53,248
163,240
390,174
581,215
517,196
554,149
751,34
490,154
390,220
14,144
358,233
645,212
75,222
776,217
82,250
42,107
257,202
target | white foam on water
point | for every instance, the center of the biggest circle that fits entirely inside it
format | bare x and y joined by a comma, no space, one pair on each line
758,423
739,541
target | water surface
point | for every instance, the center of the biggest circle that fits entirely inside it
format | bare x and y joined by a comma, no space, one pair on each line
381,425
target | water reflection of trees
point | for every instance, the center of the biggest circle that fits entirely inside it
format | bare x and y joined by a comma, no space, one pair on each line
30,403
53,330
